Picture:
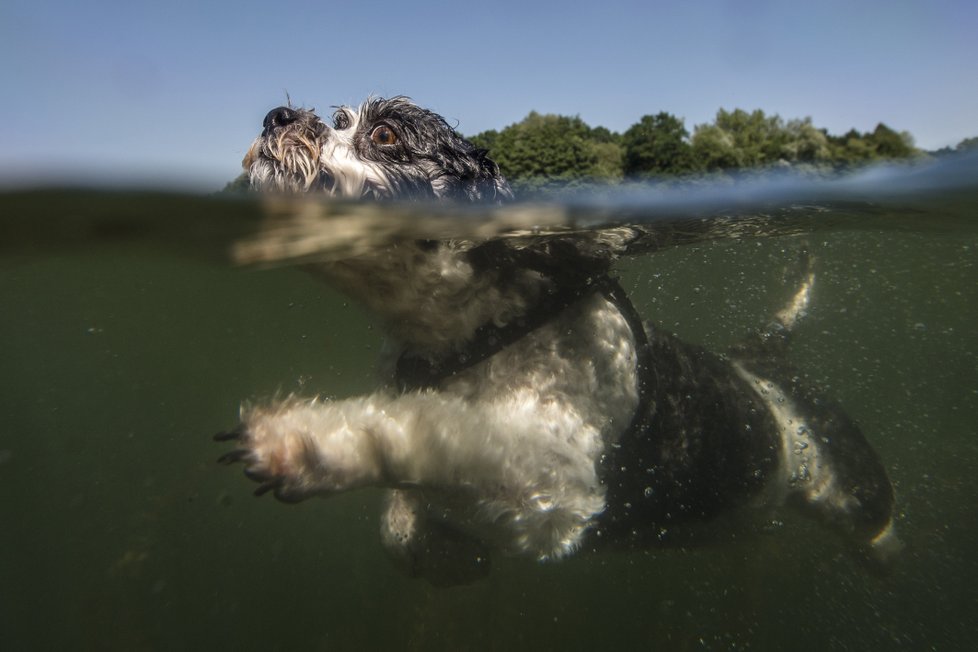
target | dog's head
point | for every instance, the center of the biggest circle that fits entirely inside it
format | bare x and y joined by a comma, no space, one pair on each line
385,149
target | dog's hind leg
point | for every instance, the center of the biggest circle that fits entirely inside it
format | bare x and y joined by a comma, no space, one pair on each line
829,468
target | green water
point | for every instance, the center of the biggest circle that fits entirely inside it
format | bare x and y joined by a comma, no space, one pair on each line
127,339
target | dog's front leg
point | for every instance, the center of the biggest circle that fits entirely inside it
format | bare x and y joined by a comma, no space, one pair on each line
527,464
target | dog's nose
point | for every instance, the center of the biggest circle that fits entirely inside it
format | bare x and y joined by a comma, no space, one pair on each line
279,117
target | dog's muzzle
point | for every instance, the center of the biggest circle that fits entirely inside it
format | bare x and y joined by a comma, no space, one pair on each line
286,156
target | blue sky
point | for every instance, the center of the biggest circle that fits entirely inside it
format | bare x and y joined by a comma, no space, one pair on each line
171,92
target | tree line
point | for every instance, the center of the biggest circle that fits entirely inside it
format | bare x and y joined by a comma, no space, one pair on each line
542,153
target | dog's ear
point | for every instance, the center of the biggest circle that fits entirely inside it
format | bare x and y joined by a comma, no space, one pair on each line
492,185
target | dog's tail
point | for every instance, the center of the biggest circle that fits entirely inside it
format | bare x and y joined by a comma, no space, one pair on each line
797,307
769,342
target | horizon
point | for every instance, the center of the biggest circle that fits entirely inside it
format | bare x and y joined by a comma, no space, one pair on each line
121,92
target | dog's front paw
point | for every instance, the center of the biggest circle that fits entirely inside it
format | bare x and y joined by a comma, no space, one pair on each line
297,449
276,463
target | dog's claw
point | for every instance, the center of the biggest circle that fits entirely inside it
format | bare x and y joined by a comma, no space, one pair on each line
289,497
230,435
256,468
267,486
233,456
256,476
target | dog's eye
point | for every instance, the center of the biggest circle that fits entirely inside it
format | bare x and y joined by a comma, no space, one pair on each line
383,135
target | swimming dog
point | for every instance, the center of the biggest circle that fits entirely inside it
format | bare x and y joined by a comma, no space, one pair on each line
531,410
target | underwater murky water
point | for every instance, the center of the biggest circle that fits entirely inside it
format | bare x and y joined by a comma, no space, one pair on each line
128,337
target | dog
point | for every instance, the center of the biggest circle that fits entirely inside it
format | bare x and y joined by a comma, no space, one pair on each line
530,410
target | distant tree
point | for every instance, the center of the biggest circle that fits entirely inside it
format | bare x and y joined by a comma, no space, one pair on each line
739,139
485,140
239,184
604,135
608,160
544,149
657,145
967,144
712,149
804,143
851,148
889,144
552,151
760,137
855,148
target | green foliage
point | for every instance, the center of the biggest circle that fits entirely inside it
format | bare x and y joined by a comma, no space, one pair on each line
657,145
882,143
486,140
738,139
756,137
852,147
552,151
238,185
713,148
544,147
889,144
603,135
805,143
607,166
967,144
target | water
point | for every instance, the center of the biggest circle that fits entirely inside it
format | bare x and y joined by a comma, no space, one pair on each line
128,335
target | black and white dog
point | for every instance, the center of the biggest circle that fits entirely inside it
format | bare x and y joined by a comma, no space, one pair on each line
531,410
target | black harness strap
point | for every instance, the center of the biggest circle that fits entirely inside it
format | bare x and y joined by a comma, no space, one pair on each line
644,369
416,372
